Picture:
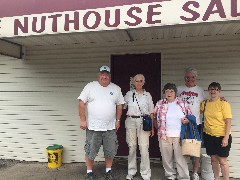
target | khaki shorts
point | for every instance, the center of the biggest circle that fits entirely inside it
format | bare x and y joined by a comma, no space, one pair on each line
94,140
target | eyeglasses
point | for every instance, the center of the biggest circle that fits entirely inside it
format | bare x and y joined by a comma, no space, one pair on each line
169,91
212,89
139,81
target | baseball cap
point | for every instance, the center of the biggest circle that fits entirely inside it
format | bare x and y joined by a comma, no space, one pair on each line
104,68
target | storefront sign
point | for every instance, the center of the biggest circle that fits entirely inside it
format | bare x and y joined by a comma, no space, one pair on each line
10,8
122,17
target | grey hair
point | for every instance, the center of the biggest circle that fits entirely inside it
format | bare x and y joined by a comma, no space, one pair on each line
191,70
139,75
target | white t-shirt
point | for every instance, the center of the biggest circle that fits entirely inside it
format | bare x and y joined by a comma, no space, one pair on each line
173,120
193,96
101,105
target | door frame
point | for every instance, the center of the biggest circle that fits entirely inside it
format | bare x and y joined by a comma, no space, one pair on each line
113,70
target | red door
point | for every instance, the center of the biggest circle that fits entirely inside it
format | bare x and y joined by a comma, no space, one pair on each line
125,66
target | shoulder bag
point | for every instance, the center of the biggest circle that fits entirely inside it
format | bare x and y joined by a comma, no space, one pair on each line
147,121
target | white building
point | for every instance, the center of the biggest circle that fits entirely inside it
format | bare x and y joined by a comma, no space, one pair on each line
50,54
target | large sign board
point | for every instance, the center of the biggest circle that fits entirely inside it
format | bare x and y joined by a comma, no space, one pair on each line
116,15
10,8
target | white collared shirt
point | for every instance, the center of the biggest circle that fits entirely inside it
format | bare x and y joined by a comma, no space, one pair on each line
144,100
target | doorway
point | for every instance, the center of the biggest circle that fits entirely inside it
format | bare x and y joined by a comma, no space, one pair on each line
123,67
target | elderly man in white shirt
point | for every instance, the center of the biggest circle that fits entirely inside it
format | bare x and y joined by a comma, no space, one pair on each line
103,101
193,95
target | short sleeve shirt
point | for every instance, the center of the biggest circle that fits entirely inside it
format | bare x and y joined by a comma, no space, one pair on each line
193,96
215,114
101,105
144,100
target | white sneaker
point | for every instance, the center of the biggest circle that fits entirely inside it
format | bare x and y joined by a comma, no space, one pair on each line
195,176
130,177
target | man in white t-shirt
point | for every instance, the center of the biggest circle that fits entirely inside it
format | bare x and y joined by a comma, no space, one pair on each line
193,95
100,110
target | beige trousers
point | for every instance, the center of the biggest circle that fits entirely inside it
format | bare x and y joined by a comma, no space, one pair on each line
134,135
172,151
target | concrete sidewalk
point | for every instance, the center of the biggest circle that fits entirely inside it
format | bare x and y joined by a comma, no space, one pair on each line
72,171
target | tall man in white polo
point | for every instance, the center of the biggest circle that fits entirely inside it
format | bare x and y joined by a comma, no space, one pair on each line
103,102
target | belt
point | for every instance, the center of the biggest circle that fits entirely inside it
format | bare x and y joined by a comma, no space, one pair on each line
135,116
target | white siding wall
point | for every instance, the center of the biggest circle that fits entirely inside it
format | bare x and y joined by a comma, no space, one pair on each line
39,106
38,95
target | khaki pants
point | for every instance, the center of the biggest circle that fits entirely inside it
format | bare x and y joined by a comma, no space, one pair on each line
134,134
170,151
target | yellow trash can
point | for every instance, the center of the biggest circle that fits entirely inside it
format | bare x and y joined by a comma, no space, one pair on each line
54,156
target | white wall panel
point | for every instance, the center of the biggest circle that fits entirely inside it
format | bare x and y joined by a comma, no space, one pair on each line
38,95
39,107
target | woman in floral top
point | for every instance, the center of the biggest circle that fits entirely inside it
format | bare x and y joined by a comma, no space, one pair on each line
170,114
